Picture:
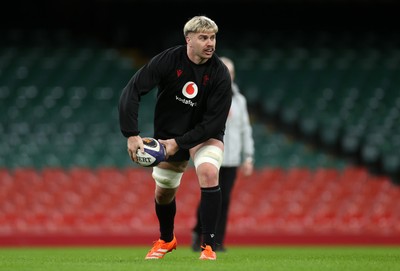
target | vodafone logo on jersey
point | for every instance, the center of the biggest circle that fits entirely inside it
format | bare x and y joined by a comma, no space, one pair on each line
190,90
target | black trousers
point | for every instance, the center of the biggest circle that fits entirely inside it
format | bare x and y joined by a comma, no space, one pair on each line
227,178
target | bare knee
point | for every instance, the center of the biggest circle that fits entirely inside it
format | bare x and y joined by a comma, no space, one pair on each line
208,175
207,160
164,195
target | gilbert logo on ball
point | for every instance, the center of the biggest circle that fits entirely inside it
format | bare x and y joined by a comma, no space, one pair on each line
144,160
154,153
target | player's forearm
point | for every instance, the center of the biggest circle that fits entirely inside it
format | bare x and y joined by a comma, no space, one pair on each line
128,113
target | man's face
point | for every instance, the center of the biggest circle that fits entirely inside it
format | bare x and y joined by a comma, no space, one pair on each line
202,44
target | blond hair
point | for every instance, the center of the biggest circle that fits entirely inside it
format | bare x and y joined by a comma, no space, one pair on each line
199,24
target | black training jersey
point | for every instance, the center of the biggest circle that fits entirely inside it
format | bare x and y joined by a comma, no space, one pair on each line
193,100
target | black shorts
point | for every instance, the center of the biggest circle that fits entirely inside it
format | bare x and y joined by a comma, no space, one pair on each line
184,155
179,156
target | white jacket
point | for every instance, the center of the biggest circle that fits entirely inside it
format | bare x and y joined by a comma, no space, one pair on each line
238,139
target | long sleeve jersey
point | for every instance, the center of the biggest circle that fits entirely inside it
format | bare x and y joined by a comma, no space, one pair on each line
193,100
238,139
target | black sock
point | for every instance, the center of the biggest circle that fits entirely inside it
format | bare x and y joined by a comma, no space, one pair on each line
197,227
166,217
210,204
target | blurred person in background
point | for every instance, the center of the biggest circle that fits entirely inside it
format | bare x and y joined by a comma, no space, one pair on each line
193,100
238,154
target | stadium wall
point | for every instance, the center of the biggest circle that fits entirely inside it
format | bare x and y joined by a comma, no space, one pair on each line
185,239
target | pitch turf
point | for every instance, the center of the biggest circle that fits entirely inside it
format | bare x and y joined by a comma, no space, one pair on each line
270,258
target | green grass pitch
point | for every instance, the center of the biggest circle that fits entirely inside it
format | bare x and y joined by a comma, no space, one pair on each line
237,258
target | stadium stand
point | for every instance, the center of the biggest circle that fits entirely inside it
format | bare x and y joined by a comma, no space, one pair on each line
337,91
325,111
325,205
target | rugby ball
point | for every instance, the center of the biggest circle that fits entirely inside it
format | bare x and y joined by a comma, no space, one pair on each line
154,153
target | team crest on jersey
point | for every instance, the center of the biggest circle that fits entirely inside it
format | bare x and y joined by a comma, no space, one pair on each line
190,90
206,78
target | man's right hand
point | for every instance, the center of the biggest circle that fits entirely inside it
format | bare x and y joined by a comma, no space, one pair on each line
134,144
171,147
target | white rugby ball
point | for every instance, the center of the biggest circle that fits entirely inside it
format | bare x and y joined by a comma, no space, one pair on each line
154,153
